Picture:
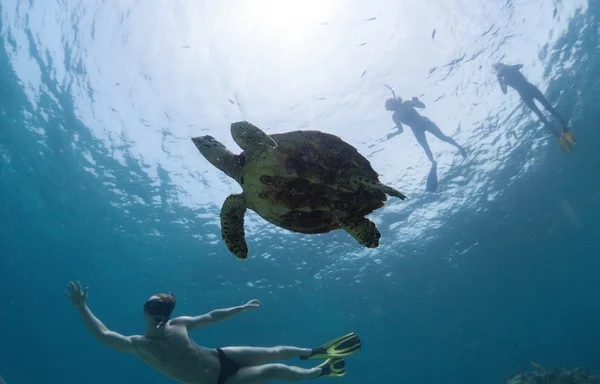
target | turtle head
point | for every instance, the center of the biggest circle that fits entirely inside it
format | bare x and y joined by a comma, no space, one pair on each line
218,155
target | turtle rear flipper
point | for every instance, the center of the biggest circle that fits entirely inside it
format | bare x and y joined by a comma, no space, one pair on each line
359,180
362,229
232,225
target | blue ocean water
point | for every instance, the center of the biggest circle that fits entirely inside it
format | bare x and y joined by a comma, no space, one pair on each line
100,183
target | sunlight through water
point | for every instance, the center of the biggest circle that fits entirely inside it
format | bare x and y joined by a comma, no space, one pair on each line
145,77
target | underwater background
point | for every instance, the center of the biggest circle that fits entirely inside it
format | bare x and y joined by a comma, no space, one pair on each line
99,182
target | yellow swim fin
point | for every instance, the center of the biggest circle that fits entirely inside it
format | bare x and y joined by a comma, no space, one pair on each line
332,367
564,143
341,347
569,137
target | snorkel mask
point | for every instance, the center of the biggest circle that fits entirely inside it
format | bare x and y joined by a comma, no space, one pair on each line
391,104
160,308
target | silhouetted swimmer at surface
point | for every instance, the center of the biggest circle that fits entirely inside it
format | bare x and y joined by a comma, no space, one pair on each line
405,113
510,75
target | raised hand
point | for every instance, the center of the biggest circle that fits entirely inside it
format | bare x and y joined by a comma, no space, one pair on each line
252,304
77,295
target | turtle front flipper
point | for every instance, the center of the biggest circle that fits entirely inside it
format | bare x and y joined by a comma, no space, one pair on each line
232,225
359,180
362,229
249,137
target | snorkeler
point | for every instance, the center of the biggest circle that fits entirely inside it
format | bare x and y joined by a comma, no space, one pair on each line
509,75
405,113
167,347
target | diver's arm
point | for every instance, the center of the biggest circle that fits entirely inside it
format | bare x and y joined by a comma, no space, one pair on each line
517,66
398,123
400,127
417,103
112,339
212,317
502,84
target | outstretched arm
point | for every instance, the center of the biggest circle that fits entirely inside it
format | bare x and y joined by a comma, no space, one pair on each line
104,335
114,340
517,66
212,317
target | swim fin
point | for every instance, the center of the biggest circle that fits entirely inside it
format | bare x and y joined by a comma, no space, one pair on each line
432,180
340,347
564,143
568,135
333,367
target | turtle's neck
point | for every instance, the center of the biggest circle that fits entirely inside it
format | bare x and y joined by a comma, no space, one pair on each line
232,166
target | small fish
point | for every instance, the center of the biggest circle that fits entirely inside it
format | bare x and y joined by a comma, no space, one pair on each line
433,34
537,366
185,46
231,101
488,31
321,98
554,13
363,44
371,19
363,74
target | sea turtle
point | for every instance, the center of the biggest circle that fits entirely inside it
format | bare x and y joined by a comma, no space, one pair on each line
303,181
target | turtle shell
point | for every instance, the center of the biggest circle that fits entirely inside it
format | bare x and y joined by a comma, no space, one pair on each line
303,185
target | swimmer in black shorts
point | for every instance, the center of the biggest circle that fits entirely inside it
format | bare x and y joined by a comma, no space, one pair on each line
167,347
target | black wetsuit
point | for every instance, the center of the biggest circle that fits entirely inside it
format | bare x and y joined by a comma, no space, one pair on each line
509,75
406,114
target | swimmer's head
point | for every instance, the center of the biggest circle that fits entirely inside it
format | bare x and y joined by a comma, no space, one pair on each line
392,104
497,67
159,307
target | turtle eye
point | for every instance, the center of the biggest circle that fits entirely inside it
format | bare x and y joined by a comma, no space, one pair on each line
209,142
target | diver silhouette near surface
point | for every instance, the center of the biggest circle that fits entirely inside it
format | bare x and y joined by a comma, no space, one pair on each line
510,75
405,113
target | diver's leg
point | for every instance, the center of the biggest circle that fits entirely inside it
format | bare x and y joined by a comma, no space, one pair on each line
270,372
531,104
245,356
422,140
437,132
542,99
